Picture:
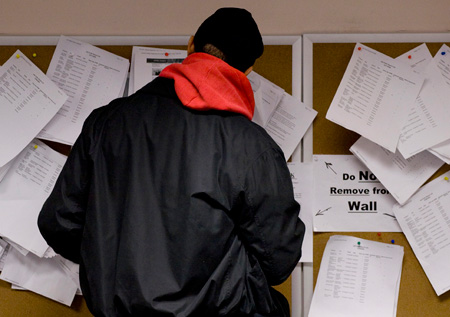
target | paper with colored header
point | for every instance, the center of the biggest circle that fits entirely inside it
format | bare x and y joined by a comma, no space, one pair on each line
148,62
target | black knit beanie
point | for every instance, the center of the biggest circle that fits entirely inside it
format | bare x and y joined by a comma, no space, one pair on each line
235,33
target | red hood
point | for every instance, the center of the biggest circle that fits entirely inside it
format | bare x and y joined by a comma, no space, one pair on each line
204,82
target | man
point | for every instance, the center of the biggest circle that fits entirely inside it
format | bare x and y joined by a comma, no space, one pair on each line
173,202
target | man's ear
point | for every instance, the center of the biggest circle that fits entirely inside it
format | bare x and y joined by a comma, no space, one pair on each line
248,71
191,47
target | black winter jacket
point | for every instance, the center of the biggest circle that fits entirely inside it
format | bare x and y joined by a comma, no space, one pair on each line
174,212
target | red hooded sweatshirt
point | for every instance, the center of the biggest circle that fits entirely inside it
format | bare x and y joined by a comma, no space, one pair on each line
205,82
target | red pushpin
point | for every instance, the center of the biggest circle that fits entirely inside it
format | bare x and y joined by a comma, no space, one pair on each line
379,234
167,54
409,56
359,48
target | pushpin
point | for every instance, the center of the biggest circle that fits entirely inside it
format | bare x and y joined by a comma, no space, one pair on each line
359,243
18,55
34,54
35,146
442,53
409,56
379,234
167,54
359,48
392,241
446,178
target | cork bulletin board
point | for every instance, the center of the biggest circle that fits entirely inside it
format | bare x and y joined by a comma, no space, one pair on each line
276,65
325,58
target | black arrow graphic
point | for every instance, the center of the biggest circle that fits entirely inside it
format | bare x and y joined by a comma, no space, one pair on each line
328,165
321,212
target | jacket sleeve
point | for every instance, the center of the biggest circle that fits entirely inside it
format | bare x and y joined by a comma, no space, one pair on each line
61,219
269,225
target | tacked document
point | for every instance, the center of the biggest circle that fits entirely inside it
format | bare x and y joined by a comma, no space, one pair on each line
302,178
442,60
402,177
40,275
374,96
289,123
28,102
267,97
284,118
91,77
427,122
23,191
357,277
425,221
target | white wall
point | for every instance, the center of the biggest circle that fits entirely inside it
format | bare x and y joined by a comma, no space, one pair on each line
182,17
